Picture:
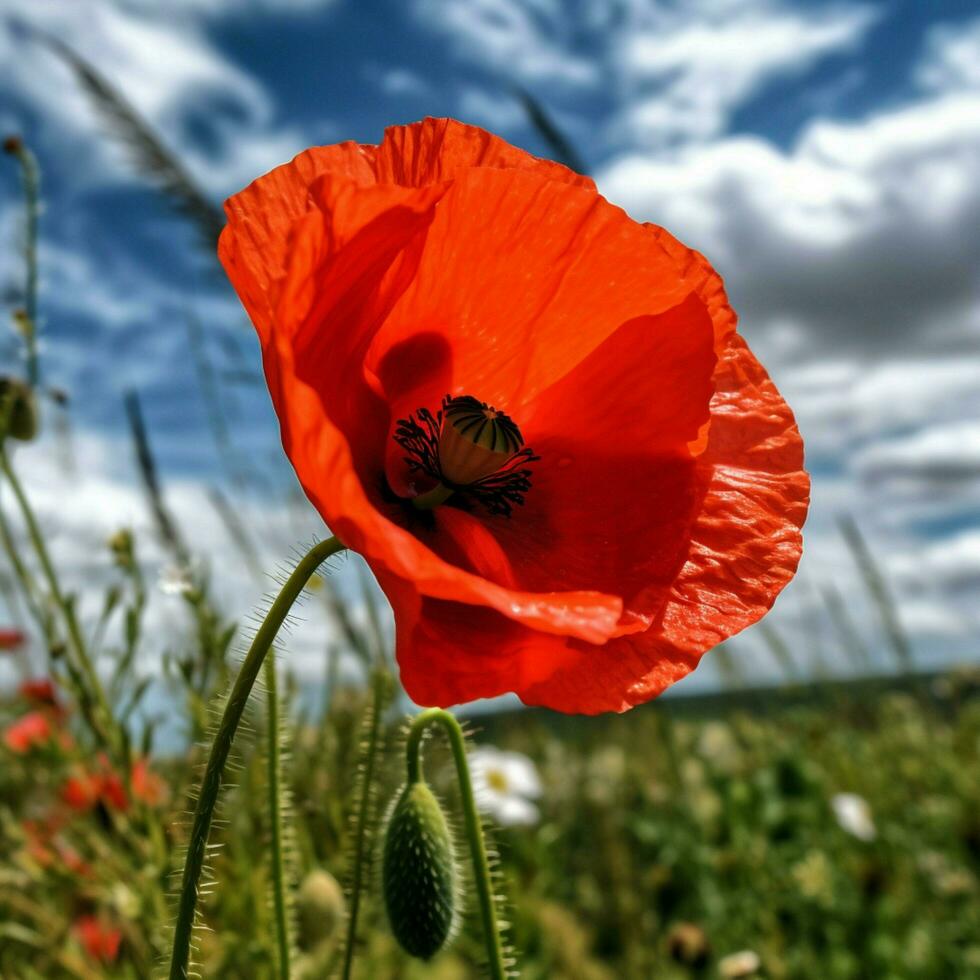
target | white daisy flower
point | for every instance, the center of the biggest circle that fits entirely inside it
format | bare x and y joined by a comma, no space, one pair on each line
854,815
175,580
742,964
505,784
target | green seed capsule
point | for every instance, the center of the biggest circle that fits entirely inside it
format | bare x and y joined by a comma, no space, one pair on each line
419,873
18,412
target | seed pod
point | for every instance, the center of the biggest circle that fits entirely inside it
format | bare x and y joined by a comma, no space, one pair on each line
18,412
419,873
320,904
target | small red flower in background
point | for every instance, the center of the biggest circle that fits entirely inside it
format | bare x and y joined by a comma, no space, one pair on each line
148,786
432,308
30,731
11,639
87,788
99,940
48,849
41,691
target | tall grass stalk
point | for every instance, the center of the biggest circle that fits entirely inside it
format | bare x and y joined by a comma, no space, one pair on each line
31,180
102,721
880,594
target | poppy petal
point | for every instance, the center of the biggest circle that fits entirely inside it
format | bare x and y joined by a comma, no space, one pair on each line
436,150
254,244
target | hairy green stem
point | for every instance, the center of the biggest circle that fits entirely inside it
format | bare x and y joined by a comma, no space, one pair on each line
276,817
211,784
104,723
380,690
471,824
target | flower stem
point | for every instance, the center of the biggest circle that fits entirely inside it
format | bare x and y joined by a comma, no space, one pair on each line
276,817
211,784
471,824
361,832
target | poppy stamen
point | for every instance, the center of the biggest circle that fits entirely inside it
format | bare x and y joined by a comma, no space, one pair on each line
467,447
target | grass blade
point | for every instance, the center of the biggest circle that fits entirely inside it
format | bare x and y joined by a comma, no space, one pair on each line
146,150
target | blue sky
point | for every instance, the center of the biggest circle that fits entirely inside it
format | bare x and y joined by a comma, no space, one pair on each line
825,156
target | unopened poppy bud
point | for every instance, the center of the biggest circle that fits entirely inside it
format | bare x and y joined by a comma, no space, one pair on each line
12,144
320,904
18,412
688,944
121,547
476,440
419,872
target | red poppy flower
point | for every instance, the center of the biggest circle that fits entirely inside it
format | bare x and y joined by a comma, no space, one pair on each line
11,639
28,732
147,786
82,791
99,940
445,317
85,789
47,849
40,690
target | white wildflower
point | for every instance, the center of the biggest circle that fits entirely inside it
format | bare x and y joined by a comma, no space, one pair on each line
854,815
505,784
742,964
175,580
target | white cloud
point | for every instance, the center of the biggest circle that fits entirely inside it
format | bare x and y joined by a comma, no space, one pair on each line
952,60
224,8
529,41
939,454
860,235
676,70
700,61
398,81
163,62
500,113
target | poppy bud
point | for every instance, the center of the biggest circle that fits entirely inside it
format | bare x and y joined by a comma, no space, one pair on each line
320,904
18,413
122,549
476,440
419,872
12,145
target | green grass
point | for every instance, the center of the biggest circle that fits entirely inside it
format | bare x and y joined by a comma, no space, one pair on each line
639,859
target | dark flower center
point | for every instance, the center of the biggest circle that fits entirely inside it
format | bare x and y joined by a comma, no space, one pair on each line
467,447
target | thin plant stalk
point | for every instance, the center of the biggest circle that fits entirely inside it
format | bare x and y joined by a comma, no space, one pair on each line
27,585
63,604
276,818
361,830
472,826
211,784
874,582
31,179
